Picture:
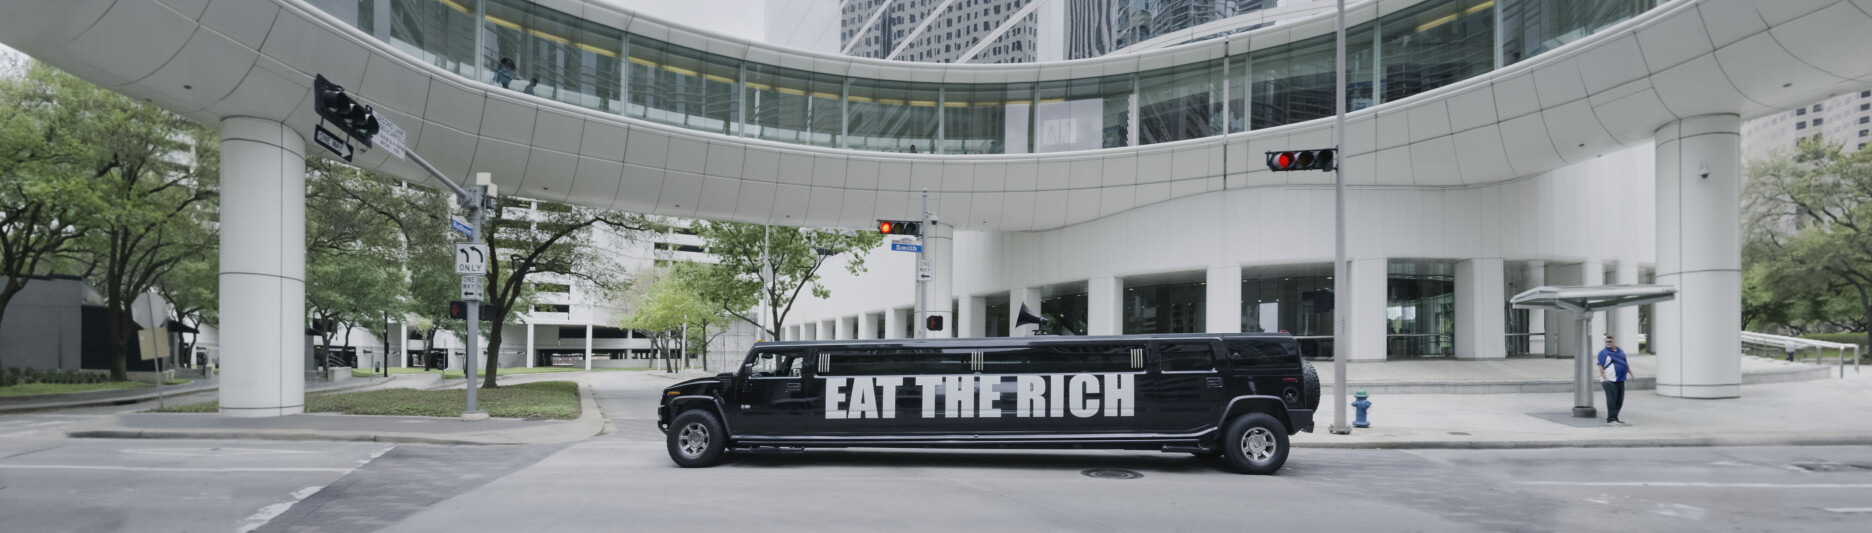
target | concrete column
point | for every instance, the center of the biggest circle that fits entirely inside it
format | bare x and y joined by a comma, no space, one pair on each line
1224,299
893,323
588,351
262,268
824,331
1624,321
1366,326
1537,319
403,345
1481,325
867,326
1698,339
972,316
1105,306
842,330
1016,298
939,245
529,349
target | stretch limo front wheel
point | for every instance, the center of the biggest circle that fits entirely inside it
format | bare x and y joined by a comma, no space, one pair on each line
1255,444
696,439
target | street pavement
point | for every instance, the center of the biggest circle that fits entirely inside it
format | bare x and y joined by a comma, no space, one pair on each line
622,478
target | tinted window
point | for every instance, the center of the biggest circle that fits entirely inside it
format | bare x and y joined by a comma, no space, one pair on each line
776,365
1061,359
895,361
1186,357
1257,354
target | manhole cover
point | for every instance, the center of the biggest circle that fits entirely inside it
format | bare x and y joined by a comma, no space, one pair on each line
1111,473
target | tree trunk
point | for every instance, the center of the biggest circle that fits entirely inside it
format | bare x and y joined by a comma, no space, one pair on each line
428,344
119,329
493,356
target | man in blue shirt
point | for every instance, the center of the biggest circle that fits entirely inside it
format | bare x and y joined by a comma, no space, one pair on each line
1614,369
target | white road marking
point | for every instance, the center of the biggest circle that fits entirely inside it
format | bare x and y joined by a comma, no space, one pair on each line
1849,509
171,469
1702,485
266,514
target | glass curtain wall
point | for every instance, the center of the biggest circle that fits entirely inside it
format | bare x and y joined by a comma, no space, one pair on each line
1170,308
1428,45
1420,310
997,321
1291,304
1065,314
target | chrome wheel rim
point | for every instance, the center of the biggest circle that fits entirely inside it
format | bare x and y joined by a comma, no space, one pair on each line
1258,444
693,440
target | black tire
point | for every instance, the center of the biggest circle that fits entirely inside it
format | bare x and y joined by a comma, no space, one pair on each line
1255,444
1312,380
696,439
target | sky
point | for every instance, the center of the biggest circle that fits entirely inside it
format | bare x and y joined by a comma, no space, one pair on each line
740,18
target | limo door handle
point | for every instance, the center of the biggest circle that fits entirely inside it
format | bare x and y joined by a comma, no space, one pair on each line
793,387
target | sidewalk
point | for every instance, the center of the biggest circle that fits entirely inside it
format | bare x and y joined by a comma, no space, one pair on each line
1530,374
373,428
1821,411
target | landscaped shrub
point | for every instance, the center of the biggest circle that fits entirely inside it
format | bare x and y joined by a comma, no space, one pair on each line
28,376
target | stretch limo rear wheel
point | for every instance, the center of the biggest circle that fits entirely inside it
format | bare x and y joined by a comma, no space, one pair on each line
696,439
1255,444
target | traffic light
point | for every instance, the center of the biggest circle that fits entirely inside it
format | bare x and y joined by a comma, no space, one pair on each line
933,323
458,310
900,227
355,119
1321,159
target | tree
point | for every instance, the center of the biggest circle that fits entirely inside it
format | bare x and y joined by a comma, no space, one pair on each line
193,288
154,179
793,255
40,190
671,302
355,251
1809,237
526,238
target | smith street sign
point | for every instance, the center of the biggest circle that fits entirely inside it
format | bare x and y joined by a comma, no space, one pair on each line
901,247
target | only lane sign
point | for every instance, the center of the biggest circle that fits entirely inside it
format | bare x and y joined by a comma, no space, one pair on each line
471,257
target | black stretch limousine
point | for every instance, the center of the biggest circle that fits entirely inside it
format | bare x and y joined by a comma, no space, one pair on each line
1237,396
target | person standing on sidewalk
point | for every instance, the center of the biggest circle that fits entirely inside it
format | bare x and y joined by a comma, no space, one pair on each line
1614,370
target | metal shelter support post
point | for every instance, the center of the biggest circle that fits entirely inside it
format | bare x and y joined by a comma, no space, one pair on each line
1582,302
1582,367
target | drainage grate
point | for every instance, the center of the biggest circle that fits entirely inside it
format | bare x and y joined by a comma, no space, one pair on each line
1111,473
1832,467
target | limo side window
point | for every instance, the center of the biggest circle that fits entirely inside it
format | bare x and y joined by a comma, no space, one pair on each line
1064,358
1186,357
776,365
1263,354
894,362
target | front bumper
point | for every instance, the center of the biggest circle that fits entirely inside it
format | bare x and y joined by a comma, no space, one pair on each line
663,418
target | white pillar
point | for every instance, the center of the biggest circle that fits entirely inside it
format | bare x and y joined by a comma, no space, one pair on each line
1223,292
1537,319
1105,306
1017,297
529,349
1624,320
1698,339
972,316
588,339
402,345
1481,325
893,323
262,268
867,326
1366,326
939,243
840,329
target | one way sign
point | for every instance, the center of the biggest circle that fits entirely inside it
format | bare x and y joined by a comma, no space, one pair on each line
471,257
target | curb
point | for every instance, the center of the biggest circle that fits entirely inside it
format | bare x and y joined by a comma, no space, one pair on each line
1684,442
141,395
589,415
1554,386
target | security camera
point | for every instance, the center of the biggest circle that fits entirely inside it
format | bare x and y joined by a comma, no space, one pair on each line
1703,171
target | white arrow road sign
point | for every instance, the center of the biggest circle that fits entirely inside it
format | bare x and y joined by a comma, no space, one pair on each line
471,287
471,257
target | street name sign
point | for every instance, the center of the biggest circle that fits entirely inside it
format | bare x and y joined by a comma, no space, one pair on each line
471,287
389,136
471,257
334,143
901,247
457,224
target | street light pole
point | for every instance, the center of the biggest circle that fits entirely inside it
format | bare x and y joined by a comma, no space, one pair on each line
1340,269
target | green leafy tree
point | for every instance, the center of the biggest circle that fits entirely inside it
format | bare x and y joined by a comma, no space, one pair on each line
793,255
1809,238
193,287
671,302
154,178
528,238
41,186
355,253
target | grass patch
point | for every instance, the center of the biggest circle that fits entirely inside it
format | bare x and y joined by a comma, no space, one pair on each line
178,382
457,374
557,400
35,389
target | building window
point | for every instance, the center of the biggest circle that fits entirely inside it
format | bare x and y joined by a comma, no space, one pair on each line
1801,111
552,308
1864,120
1863,133
1176,308
1865,107
1818,121
552,287
1800,125
1865,94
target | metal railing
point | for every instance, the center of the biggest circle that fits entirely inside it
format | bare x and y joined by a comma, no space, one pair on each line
1796,344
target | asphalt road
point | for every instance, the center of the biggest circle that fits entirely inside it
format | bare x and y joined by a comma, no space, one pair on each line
624,481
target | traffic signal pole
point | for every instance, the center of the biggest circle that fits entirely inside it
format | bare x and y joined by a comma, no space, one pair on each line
475,200
1341,294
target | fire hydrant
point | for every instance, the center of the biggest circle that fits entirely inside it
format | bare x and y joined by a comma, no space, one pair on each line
1362,404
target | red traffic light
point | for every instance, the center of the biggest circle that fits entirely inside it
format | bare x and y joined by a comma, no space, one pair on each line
1321,159
900,227
933,323
884,227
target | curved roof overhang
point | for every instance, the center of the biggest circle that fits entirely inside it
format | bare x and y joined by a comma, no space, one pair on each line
208,60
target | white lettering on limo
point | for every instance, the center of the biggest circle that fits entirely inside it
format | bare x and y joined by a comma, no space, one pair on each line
976,396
